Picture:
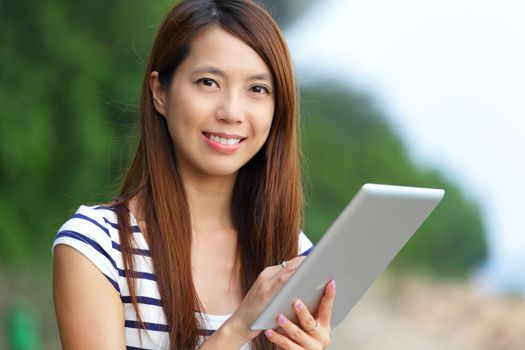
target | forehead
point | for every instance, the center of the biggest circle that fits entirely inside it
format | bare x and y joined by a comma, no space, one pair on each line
214,46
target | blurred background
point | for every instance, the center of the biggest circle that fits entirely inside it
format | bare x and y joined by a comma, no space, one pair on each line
406,92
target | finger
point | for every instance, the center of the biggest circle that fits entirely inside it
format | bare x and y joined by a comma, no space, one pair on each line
306,320
274,277
293,264
290,266
268,287
298,260
282,341
282,274
295,333
326,305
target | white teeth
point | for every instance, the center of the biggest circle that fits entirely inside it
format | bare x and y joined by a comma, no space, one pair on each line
224,141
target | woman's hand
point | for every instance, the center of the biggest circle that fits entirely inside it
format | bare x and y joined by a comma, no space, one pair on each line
267,284
311,333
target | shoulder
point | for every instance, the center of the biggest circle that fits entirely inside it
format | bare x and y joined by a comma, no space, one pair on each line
93,231
92,222
95,226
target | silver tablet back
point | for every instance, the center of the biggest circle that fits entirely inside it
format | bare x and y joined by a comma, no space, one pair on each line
355,250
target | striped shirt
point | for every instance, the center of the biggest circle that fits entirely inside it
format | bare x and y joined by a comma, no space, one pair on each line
93,231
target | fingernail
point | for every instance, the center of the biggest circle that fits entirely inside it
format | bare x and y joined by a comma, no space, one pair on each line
299,305
281,320
332,283
268,333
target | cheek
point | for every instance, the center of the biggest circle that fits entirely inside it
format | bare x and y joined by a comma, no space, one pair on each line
265,122
186,111
264,131
267,128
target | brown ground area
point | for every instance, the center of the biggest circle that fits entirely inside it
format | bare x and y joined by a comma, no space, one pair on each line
412,313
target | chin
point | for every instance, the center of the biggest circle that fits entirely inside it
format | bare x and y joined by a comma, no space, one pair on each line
220,170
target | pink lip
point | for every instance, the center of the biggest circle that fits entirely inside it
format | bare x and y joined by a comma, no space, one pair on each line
223,148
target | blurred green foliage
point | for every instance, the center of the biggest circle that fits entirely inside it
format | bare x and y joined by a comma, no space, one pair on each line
22,327
71,74
347,142
69,87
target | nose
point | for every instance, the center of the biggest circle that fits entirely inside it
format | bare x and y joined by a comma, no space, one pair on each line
230,109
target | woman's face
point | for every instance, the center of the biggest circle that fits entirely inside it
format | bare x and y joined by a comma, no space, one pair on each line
219,106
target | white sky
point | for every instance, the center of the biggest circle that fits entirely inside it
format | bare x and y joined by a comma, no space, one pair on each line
451,75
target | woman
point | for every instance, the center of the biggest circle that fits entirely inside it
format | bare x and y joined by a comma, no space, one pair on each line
211,205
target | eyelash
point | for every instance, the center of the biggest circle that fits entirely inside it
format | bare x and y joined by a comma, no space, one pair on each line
204,80
265,90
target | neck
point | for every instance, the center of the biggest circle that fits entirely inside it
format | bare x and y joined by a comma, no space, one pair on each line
209,201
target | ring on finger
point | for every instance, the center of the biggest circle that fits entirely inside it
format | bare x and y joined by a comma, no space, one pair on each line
283,264
314,328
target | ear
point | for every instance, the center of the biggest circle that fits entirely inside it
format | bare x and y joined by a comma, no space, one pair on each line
158,93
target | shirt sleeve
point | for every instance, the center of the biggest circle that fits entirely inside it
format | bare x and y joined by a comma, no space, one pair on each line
305,245
87,232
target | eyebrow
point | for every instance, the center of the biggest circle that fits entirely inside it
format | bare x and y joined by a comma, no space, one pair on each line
217,71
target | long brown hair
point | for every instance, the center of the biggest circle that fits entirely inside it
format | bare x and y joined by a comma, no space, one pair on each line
267,197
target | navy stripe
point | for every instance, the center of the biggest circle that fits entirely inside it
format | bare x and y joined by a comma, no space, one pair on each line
143,300
136,251
143,252
97,247
308,251
138,274
134,348
83,217
115,284
87,240
105,207
161,327
148,325
206,332
134,228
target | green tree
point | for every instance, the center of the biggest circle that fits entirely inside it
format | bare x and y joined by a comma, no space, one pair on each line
70,78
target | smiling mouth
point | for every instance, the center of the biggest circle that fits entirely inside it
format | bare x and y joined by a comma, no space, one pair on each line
227,141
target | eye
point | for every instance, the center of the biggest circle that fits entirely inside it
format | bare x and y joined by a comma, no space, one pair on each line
207,82
260,89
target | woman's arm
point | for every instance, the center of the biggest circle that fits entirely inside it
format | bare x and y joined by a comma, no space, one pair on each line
89,311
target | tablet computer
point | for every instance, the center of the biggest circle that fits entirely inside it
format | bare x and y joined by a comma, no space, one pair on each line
355,250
